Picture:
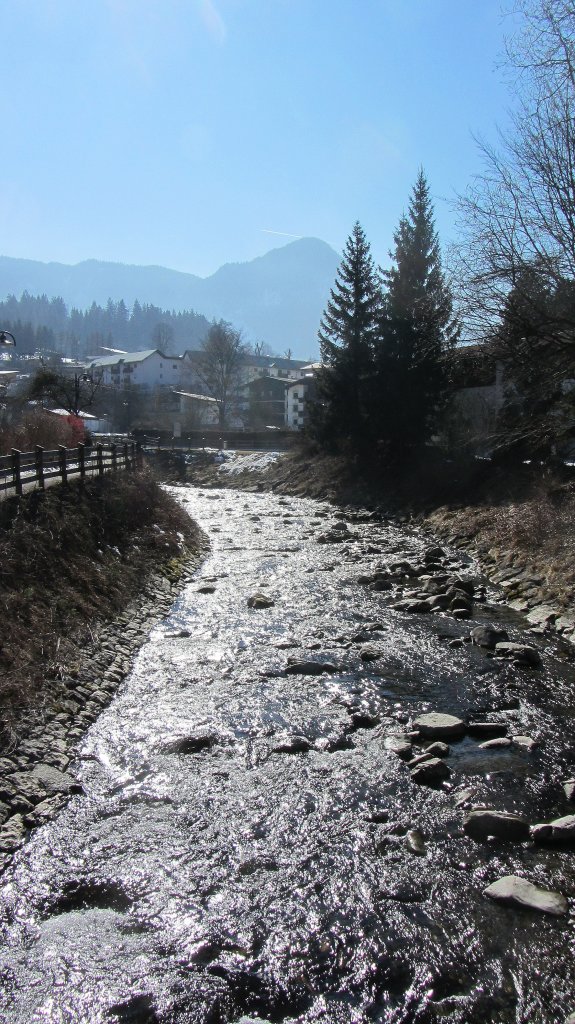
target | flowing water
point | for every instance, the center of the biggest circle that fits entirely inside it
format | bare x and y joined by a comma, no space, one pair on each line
241,849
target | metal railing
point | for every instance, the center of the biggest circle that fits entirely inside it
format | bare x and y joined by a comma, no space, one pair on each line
28,471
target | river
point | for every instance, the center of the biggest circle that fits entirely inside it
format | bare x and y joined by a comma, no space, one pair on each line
246,847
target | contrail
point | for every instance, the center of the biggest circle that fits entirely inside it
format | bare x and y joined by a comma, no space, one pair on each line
286,234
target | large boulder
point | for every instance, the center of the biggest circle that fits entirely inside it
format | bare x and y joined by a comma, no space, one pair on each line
437,726
486,822
518,892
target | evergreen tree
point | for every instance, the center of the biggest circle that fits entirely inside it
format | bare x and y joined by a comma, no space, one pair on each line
533,342
348,336
418,330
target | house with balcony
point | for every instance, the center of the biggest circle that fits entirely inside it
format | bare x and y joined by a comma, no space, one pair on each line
148,368
297,396
266,400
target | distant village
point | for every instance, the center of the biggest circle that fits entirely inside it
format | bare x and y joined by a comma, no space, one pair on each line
152,390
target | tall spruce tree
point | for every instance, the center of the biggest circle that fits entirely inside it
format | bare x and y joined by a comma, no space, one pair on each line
418,330
348,338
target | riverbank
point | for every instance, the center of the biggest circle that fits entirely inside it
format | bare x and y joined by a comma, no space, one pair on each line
260,798
519,527
86,574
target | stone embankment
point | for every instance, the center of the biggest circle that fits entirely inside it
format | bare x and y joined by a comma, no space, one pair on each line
34,777
533,587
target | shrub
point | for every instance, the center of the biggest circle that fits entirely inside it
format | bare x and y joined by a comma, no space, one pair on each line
35,426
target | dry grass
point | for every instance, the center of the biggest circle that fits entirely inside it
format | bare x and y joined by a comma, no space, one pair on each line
69,557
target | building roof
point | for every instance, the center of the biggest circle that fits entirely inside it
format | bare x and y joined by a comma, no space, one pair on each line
65,413
269,382
128,357
265,362
308,379
199,398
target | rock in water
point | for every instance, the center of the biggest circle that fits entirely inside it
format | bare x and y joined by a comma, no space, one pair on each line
415,842
569,789
488,636
483,823
431,772
498,743
260,601
561,830
437,749
518,892
309,668
400,745
484,729
524,742
435,726
519,652
370,653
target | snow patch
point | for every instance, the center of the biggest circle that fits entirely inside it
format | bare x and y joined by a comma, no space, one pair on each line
254,462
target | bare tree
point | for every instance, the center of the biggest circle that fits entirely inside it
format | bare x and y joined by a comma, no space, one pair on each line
260,348
519,214
163,336
219,367
72,392
516,263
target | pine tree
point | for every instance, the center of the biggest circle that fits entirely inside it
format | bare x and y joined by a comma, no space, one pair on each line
419,329
348,337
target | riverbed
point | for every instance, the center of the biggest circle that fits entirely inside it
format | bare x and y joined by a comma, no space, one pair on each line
248,845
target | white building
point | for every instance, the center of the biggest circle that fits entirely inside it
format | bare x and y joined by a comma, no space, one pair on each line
298,395
149,368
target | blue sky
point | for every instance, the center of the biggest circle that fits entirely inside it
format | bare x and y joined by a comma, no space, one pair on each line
186,133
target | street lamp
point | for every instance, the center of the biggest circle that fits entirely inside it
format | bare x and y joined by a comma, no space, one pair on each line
7,339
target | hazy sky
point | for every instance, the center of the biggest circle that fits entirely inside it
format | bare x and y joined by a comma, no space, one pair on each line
190,133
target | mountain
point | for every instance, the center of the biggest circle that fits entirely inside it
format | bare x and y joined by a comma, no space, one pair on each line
277,298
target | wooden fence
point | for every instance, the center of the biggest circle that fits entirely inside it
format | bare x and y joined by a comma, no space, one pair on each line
28,471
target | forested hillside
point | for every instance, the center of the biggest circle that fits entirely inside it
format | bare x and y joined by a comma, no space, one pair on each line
43,324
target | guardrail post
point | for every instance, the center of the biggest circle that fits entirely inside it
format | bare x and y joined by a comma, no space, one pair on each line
16,470
40,466
114,450
62,452
82,462
126,456
100,459
139,457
